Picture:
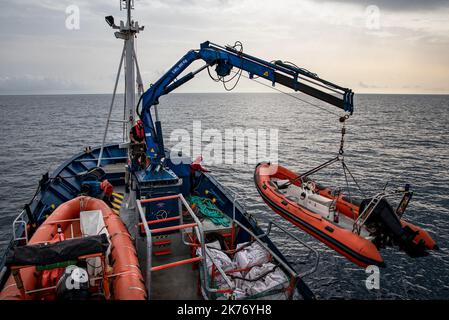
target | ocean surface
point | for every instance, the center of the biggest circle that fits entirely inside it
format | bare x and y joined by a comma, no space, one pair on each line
390,138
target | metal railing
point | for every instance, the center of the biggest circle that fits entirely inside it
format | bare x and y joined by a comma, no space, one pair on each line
372,204
267,233
196,227
366,213
294,275
291,235
20,222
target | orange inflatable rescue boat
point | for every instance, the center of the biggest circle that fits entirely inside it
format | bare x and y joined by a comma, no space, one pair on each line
81,251
355,230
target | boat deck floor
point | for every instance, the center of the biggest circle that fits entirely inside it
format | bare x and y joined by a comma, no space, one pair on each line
180,282
114,168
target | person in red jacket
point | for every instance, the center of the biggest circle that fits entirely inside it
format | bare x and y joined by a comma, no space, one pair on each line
137,134
138,146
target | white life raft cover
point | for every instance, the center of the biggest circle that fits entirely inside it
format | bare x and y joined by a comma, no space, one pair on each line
250,256
92,224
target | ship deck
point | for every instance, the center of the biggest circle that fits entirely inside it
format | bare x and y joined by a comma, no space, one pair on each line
178,283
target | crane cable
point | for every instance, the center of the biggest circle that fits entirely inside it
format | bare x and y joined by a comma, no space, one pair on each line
342,119
341,152
291,95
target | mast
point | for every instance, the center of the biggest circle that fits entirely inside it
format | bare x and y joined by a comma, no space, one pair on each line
127,31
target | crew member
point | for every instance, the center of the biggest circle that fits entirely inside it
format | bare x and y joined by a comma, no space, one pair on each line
138,146
137,133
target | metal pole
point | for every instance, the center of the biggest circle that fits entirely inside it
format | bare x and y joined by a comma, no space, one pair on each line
140,88
112,105
149,248
130,78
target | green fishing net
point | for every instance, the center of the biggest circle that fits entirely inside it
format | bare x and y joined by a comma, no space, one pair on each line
209,210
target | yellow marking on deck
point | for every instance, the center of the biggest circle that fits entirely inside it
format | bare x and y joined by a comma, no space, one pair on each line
117,206
118,195
116,212
118,201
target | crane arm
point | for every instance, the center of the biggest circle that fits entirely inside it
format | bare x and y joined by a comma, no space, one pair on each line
225,59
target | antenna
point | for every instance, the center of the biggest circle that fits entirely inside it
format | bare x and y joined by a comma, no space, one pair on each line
124,4
127,5
126,31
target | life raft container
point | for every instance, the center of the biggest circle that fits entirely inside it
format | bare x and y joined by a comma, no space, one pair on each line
329,216
124,272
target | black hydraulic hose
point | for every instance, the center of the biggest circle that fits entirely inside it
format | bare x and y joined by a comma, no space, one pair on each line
137,107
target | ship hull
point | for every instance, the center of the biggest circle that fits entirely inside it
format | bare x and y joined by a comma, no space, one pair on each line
64,185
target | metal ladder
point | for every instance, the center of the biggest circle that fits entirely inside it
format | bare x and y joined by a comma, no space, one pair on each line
367,211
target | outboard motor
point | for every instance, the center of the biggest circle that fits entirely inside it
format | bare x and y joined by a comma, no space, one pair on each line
73,284
389,230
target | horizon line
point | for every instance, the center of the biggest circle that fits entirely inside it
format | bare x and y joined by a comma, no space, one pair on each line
215,92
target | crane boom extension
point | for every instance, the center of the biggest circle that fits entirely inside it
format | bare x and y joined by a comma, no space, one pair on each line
225,59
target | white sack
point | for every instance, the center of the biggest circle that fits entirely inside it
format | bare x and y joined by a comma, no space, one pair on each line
253,255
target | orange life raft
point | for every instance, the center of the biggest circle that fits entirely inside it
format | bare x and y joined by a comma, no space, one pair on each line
336,233
124,273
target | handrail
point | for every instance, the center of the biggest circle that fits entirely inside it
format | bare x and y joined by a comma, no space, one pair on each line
163,220
285,265
173,228
317,255
263,244
149,233
257,237
204,250
149,247
176,196
196,226
234,201
20,220
361,219
101,159
292,272
220,271
176,263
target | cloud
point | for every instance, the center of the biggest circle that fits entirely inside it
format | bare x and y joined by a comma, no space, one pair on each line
31,84
404,5
328,37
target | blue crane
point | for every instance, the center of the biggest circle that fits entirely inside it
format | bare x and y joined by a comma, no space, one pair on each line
225,59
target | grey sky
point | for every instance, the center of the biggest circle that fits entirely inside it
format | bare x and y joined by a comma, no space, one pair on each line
403,5
405,51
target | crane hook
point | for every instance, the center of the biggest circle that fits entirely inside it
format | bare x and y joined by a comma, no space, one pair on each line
343,132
